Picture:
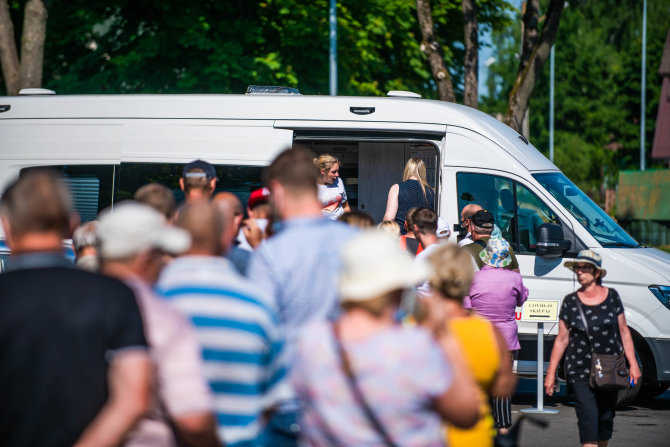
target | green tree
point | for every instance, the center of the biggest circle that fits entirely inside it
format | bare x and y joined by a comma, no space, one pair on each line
597,88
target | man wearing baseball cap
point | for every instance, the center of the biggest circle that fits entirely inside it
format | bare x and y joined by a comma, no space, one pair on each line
198,181
253,228
481,226
133,238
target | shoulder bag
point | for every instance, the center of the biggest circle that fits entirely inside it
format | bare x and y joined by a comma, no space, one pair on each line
608,371
357,392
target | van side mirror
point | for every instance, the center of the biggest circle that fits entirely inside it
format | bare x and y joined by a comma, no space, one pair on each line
550,241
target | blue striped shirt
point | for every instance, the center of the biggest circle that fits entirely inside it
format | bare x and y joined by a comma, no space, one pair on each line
240,339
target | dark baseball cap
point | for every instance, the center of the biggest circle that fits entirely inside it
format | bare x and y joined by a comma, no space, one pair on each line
482,219
199,165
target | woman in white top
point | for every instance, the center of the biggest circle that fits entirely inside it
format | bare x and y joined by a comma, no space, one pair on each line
332,194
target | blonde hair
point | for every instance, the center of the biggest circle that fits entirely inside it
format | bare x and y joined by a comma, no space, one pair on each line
415,167
359,219
390,226
452,271
325,162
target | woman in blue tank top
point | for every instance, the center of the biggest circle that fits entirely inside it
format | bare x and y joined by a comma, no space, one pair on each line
413,192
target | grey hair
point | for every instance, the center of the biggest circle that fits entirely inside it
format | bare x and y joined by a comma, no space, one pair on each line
86,235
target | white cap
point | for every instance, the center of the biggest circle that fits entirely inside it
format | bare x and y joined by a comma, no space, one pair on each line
373,263
132,227
443,229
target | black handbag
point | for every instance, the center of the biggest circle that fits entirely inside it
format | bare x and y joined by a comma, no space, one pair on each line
608,371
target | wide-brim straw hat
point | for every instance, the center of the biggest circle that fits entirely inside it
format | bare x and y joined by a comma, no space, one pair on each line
587,257
496,253
373,264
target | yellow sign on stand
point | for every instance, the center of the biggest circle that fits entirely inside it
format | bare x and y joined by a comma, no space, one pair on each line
545,311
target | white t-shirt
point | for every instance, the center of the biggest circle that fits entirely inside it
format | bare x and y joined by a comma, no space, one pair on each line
422,258
330,195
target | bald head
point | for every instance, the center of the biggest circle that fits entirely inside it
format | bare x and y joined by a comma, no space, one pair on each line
231,211
204,223
467,212
231,201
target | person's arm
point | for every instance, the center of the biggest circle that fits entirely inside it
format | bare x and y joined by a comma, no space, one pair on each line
392,203
346,207
505,380
629,349
522,293
459,405
197,430
560,343
129,380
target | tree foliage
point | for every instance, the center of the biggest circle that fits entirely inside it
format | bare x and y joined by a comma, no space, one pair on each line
204,46
597,88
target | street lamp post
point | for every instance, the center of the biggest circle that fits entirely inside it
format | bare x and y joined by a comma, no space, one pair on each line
644,83
333,48
551,104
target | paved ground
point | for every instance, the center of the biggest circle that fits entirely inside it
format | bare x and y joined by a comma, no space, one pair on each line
643,425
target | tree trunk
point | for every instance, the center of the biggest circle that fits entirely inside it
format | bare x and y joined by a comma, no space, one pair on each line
534,54
32,43
470,94
431,48
9,57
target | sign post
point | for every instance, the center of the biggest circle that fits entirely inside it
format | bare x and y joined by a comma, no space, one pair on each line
540,312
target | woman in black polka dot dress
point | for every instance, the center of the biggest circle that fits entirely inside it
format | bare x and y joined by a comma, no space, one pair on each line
608,334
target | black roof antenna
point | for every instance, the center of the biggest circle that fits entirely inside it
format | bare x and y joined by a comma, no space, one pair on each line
521,135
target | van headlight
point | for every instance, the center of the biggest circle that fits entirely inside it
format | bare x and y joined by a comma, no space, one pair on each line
662,293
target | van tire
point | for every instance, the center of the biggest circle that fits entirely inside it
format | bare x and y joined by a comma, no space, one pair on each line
649,391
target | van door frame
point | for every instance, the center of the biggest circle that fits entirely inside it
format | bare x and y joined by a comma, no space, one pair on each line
401,134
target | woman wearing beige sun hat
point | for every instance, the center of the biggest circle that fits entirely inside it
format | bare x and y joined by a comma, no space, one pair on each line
605,332
368,380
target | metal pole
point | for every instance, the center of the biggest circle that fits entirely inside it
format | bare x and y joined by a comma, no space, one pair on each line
551,105
540,376
644,84
540,366
333,48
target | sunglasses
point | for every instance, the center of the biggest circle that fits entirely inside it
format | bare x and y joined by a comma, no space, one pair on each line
583,268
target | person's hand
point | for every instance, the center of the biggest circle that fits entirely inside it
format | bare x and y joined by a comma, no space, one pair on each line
549,383
634,373
252,232
434,314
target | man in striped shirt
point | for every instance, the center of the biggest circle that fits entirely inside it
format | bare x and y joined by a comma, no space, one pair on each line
236,326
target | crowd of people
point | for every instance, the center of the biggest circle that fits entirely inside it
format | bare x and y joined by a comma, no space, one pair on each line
295,321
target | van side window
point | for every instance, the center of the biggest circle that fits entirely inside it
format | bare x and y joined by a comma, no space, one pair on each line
91,187
241,180
517,211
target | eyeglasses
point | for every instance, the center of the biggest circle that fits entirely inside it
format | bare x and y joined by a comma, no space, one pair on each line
583,267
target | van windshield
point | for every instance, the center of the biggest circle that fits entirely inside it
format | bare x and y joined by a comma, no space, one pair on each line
601,226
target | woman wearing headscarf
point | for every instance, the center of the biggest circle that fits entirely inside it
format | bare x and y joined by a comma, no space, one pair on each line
367,380
605,332
495,294
413,192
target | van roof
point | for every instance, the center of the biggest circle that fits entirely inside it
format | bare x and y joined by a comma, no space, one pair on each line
271,107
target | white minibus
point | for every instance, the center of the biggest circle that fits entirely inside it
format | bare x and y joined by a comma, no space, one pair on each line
108,146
